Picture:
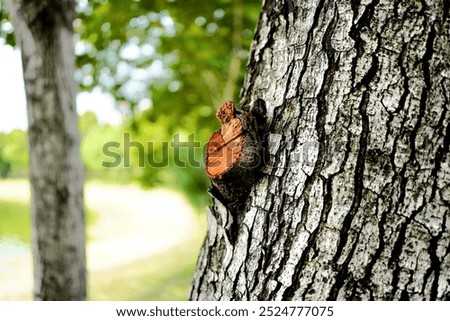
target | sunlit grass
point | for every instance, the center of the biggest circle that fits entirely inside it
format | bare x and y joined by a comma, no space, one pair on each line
15,220
163,277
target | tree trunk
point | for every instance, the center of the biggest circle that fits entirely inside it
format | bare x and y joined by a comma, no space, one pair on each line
353,200
45,34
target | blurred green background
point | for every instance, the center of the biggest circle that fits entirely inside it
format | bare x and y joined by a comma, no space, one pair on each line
168,65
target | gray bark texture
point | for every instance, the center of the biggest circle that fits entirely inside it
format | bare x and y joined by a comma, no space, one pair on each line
353,199
45,35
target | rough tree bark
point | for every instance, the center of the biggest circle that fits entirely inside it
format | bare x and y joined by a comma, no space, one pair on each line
353,202
45,35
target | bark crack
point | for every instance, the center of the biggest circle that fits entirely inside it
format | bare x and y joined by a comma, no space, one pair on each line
435,266
398,248
358,178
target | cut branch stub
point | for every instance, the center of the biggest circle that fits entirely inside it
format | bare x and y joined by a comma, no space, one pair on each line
225,146
232,157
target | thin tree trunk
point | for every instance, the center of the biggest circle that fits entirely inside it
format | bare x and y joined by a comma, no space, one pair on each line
353,200
45,35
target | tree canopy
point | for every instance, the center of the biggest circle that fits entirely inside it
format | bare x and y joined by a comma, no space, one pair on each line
169,64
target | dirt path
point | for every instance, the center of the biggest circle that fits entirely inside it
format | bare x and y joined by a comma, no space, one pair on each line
131,224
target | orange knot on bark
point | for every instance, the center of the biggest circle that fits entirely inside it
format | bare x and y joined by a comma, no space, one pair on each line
232,157
225,146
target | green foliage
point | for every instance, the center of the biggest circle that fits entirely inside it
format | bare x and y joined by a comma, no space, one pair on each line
14,153
87,122
93,137
170,64
5,167
6,28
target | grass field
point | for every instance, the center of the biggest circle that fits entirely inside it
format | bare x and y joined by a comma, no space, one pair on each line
15,220
164,276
